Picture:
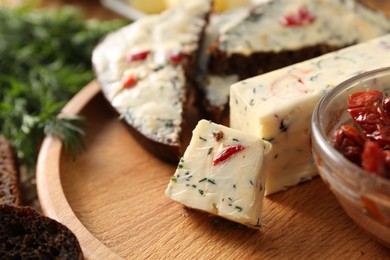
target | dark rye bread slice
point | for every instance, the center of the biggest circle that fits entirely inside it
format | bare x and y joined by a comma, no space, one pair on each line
279,33
146,70
9,175
26,234
262,62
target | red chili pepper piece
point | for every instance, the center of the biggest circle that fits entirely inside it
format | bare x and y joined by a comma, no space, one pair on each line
130,81
376,160
350,142
138,56
176,58
300,18
227,153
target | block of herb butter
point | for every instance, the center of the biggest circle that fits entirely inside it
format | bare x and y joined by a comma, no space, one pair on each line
278,106
222,172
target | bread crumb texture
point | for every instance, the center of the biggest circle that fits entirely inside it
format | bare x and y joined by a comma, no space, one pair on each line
26,234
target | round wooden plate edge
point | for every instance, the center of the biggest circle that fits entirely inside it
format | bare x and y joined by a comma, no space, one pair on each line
50,193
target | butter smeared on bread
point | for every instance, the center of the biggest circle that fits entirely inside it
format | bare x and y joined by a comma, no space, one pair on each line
145,70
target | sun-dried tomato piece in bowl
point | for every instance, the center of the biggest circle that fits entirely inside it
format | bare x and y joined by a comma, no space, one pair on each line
370,111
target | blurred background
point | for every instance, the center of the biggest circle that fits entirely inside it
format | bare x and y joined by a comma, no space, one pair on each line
90,8
45,53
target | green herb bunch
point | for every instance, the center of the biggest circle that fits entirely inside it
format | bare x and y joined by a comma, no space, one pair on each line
45,58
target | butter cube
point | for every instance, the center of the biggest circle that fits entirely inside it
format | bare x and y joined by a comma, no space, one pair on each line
222,172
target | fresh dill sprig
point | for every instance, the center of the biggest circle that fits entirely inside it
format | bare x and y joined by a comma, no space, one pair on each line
69,130
45,58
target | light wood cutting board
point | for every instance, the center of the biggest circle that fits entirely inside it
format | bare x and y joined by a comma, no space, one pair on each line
112,197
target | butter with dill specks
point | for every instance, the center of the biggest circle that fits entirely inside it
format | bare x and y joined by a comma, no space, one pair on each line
222,172
278,106
141,71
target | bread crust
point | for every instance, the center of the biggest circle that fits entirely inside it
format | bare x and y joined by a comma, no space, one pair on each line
262,62
9,175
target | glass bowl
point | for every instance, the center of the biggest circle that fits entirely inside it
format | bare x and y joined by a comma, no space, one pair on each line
364,197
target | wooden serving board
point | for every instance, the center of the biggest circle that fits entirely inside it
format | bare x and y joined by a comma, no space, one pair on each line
112,198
